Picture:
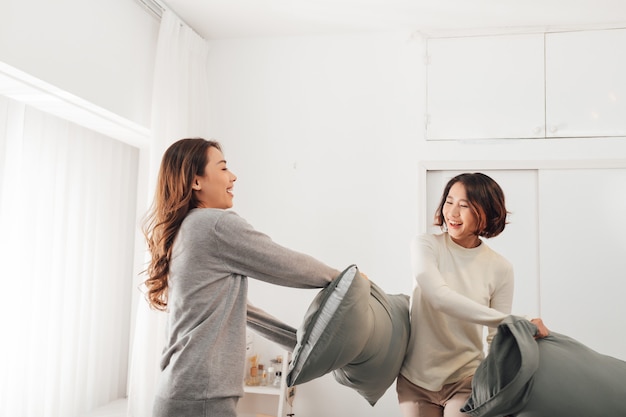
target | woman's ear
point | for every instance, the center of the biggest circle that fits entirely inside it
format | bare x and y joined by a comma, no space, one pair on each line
196,185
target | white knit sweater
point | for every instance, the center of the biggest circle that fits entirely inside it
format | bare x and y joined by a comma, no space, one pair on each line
457,291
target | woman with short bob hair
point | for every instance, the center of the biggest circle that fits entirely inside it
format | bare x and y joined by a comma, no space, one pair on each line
486,200
460,286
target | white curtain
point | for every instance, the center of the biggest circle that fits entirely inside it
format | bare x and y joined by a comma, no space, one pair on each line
179,109
67,218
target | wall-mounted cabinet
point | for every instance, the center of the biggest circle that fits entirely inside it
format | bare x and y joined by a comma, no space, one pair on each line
585,83
485,87
567,84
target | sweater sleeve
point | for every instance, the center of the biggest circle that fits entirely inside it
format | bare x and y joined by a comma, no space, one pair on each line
502,299
248,252
436,291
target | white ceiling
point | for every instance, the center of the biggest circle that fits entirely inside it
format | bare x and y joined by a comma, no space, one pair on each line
219,19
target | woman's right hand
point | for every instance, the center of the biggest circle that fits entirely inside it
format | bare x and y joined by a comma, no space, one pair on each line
542,330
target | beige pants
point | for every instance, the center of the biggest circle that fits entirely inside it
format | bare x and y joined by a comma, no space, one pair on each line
419,402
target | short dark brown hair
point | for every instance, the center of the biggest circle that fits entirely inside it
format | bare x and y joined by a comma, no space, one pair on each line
486,200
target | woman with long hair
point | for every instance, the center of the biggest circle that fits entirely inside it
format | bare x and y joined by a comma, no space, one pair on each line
201,257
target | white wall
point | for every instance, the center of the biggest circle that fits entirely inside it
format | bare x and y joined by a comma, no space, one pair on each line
326,135
100,51
323,134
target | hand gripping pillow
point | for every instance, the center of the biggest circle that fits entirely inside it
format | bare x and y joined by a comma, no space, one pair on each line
549,377
357,332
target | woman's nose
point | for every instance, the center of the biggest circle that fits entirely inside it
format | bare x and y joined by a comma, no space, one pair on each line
454,211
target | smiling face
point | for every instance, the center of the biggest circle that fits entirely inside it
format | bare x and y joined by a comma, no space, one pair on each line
214,189
459,217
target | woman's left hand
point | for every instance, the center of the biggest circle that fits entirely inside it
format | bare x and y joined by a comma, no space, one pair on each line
542,330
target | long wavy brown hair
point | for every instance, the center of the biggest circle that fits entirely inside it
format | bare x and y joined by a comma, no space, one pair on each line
173,199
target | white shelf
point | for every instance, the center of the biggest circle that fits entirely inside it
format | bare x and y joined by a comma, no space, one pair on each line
266,400
262,390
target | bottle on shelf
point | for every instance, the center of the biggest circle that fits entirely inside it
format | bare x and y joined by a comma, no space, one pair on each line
262,375
277,379
253,375
271,374
278,366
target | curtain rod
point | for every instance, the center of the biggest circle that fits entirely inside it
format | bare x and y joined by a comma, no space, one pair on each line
155,7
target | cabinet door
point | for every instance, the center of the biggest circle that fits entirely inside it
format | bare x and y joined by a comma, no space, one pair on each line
485,87
583,256
585,83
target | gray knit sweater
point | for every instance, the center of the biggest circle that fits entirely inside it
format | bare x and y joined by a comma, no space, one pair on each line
204,355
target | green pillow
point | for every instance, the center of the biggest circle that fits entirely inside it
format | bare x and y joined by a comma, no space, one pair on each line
357,332
553,376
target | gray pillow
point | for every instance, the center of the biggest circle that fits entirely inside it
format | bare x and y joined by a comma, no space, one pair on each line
357,332
549,377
